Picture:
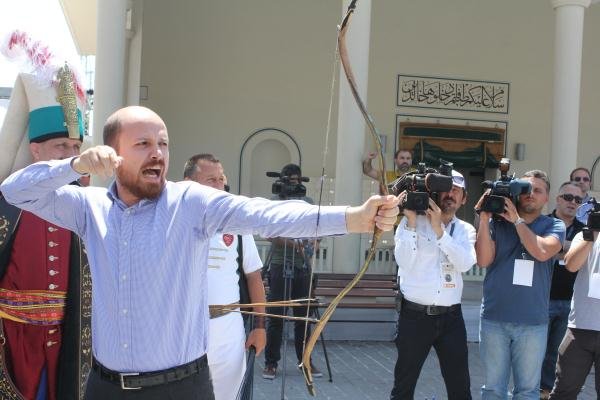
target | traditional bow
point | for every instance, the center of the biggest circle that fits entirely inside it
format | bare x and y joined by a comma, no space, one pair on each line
327,314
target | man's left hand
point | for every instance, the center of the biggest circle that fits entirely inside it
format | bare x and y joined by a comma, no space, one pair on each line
510,211
380,211
434,214
258,339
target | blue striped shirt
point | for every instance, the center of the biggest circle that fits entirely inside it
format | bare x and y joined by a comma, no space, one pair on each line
149,261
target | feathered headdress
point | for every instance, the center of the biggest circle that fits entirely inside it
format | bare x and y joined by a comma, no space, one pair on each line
46,101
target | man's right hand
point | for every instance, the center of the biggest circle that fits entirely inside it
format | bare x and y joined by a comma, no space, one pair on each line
98,160
411,215
483,215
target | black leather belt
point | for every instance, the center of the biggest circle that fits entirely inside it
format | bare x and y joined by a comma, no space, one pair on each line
139,380
429,310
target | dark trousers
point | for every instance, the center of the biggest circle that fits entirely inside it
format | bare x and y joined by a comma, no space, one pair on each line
558,318
298,289
579,350
194,387
416,334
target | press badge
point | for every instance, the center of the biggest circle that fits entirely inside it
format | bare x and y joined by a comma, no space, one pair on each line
523,272
594,289
449,276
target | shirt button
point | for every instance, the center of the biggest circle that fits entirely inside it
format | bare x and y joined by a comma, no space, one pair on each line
52,229
125,345
52,272
52,258
124,311
125,243
52,331
52,244
50,343
123,277
52,286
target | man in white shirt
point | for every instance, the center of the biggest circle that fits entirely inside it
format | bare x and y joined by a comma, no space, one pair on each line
432,251
227,338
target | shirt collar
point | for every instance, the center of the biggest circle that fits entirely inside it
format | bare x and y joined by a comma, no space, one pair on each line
113,196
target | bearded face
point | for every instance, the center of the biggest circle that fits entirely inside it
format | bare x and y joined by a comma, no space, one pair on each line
143,143
451,201
145,183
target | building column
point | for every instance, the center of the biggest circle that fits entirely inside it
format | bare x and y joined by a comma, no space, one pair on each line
351,134
568,43
109,85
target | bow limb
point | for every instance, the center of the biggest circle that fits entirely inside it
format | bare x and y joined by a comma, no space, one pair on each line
383,189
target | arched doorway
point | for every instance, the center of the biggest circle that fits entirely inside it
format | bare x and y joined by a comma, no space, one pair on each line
266,149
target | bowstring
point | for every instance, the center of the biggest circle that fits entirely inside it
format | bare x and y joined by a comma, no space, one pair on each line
334,72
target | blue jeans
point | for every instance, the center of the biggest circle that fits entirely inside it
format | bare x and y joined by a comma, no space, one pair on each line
558,318
504,346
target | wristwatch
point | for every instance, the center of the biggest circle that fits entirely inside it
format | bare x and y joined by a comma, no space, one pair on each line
519,221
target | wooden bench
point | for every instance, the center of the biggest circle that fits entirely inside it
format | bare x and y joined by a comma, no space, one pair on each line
379,289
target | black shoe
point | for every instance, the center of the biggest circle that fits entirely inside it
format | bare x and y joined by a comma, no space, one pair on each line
269,372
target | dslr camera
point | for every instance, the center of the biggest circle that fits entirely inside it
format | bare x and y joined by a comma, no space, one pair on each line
507,187
593,221
422,184
283,187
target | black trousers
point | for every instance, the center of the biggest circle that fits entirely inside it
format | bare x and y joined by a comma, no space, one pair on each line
579,350
416,334
299,286
194,387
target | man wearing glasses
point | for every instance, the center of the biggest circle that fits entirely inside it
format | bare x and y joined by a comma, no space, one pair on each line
568,200
581,177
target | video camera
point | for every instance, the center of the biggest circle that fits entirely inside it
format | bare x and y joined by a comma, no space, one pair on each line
593,220
421,184
285,189
506,187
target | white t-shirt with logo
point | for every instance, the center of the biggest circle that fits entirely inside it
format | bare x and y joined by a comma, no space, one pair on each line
223,280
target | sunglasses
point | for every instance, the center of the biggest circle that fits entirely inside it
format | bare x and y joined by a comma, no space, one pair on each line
569,198
581,178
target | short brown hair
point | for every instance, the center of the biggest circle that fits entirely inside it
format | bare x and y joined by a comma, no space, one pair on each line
587,171
402,151
192,163
111,130
536,173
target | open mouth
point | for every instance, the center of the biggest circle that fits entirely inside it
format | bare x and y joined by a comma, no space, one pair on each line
153,173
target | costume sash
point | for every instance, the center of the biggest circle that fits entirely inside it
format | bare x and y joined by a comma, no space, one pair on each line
37,307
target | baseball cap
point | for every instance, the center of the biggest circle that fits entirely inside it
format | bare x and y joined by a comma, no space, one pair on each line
458,179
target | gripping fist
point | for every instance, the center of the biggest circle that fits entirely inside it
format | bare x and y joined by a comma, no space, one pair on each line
98,160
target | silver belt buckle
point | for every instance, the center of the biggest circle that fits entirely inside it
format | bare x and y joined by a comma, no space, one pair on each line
122,378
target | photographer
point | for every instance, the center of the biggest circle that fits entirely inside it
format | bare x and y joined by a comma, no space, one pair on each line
293,255
580,348
432,251
517,247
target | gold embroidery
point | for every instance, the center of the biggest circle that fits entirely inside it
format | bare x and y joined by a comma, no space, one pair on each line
4,224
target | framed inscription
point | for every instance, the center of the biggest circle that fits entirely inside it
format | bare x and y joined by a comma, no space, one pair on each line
452,94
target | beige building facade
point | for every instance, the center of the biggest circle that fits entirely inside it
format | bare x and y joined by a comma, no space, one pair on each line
251,82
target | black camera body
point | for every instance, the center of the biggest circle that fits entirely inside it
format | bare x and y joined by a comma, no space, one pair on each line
593,221
283,188
422,184
507,187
